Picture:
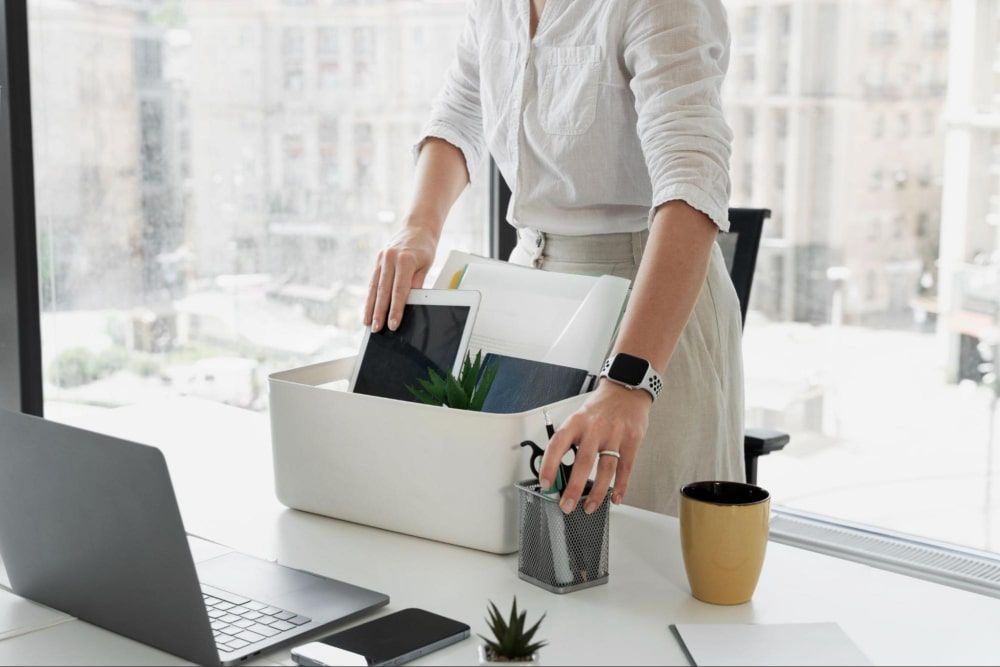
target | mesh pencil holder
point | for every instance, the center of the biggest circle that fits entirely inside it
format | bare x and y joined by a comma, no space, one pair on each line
560,552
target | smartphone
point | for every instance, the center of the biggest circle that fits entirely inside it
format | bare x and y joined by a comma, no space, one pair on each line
391,640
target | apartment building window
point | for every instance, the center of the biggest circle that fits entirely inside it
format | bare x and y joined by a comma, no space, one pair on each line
930,122
781,125
878,125
364,153
293,54
749,124
748,68
364,54
750,24
328,57
876,179
293,154
903,125
785,20
923,225
148,60
181,169
329,152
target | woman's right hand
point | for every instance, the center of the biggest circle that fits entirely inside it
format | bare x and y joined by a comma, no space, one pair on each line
401,266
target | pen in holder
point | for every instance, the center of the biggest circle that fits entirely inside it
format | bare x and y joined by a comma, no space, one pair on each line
560,552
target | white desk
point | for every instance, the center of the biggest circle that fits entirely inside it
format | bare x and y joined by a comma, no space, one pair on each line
220,462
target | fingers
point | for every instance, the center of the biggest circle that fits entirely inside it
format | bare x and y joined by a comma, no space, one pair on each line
599,431
406,265
418,279
366,316
606,467
621,477
383,295
631,440
557,448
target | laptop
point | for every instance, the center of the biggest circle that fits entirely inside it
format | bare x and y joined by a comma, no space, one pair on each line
89,525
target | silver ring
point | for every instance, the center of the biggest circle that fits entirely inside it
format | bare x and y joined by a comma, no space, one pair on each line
608,452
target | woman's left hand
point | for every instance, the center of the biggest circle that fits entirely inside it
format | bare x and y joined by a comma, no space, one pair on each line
613,419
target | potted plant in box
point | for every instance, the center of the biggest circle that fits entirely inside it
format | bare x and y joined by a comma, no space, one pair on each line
466,392
511,642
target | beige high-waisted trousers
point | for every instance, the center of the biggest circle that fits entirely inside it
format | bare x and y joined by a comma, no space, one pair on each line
696,425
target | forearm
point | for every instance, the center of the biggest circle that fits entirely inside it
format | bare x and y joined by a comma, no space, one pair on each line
670,278
440,178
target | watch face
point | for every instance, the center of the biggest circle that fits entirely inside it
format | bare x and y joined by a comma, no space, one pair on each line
628,369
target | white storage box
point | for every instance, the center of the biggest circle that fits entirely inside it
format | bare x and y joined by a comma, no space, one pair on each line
425,470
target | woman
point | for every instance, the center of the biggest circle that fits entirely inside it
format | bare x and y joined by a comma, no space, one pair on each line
605,118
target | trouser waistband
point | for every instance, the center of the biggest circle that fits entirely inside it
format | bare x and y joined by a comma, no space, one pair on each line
615,248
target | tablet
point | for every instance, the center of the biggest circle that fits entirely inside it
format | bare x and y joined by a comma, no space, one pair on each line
434,334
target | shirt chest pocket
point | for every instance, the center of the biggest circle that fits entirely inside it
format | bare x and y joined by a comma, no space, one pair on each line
568,81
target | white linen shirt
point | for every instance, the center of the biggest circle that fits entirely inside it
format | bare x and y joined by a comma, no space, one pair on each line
611,110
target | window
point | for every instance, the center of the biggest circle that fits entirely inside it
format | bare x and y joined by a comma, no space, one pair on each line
193,191
364,55
328,58
878,126
749,124
292,55
329,152
852,342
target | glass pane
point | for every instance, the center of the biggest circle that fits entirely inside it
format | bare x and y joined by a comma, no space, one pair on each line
213,181
873,330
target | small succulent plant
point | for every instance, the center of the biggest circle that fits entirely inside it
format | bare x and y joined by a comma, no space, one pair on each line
511,642
468,392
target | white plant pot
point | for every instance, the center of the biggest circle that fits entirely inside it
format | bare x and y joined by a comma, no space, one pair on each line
484,659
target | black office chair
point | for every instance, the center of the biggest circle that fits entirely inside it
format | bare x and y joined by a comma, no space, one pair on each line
739,248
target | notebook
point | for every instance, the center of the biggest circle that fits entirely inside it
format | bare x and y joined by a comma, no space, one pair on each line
523,384
750,645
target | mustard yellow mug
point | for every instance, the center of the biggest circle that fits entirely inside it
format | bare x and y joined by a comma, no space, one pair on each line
723,537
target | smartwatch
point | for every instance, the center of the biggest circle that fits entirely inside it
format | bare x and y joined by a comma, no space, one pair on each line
632,372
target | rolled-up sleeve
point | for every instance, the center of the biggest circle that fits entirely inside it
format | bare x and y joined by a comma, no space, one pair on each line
677,54
456,114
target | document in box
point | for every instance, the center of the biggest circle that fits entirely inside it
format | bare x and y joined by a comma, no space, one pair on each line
789,644
557,318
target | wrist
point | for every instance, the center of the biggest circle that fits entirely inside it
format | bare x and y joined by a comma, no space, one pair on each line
425,224
606,387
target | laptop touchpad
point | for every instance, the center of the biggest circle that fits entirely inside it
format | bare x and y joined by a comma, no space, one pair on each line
255,578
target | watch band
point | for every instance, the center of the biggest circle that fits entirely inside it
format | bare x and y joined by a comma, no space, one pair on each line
651,383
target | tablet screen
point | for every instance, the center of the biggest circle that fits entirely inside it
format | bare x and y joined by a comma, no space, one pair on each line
428,337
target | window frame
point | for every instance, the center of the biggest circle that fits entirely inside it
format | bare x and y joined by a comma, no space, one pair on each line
20,307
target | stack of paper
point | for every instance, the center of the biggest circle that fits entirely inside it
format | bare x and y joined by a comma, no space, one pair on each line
558,318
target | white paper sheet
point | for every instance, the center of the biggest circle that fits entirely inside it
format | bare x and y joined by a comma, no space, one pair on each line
751,645
585,340
559,318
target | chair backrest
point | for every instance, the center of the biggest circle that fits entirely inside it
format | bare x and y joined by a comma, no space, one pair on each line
739,248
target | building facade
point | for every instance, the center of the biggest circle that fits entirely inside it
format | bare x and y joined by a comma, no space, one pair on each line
836,109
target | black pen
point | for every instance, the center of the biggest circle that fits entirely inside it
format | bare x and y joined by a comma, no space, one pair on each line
548,425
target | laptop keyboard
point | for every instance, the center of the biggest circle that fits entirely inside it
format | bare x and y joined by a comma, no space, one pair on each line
238,622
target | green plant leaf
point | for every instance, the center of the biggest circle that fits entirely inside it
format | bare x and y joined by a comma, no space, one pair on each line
530,632
432,390
423,396
456,397
510,640
468,377
483,388
436,380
